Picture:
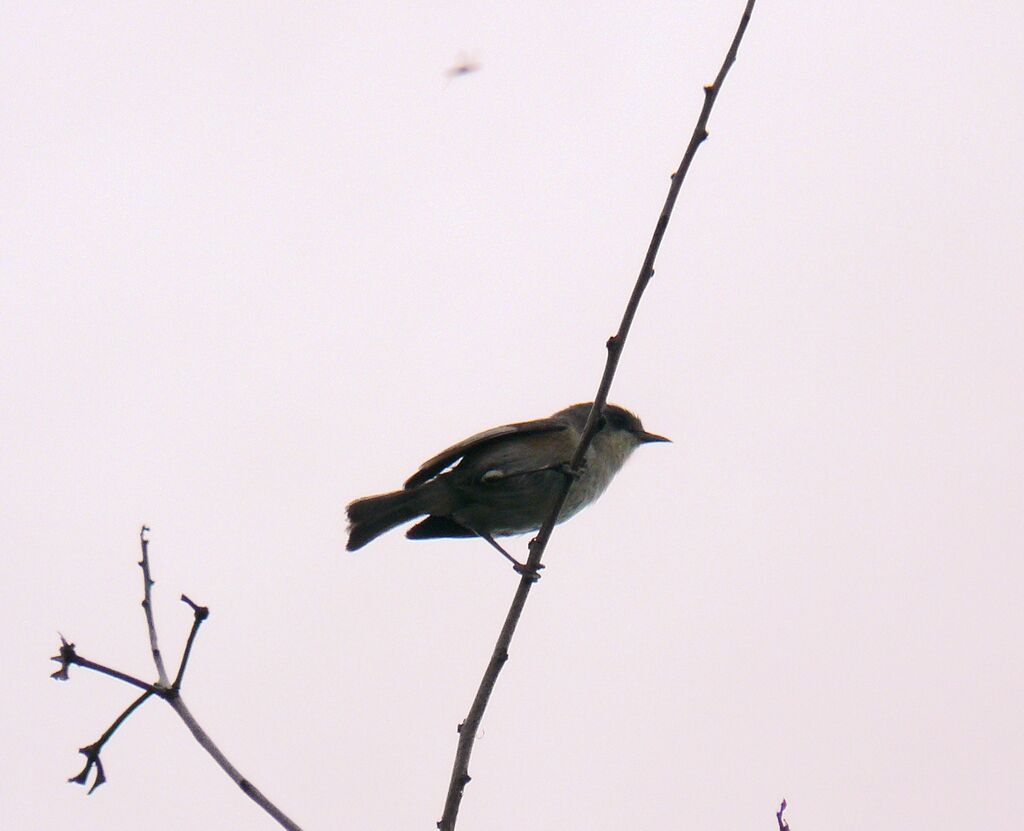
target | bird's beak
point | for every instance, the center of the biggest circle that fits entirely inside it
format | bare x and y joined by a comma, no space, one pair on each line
646,437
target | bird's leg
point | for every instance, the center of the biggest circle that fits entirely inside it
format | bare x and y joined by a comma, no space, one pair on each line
518,567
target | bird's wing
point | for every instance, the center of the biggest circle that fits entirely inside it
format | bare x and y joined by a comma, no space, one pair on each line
430,468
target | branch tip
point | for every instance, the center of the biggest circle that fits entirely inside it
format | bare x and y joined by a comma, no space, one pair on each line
783,825
66,656
201,612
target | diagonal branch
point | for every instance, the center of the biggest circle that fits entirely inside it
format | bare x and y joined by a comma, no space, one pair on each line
200,613
468,729
68,657
92,751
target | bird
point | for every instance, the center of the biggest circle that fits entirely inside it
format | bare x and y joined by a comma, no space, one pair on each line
504,481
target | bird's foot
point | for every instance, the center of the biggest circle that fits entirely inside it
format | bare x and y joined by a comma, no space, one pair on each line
532,574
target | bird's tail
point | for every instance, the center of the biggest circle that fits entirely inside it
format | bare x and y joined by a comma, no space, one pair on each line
371,516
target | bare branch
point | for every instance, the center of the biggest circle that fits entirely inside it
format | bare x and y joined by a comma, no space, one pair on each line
92,751
200,613
249,789
165,690
147,605
68,657
468,729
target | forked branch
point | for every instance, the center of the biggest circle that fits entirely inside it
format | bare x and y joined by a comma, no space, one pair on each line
168,691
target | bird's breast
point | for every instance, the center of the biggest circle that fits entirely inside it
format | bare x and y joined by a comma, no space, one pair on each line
604,458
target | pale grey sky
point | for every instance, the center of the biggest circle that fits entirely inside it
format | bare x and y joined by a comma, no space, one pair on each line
261,259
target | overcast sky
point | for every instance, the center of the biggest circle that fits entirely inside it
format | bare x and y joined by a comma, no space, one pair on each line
261,259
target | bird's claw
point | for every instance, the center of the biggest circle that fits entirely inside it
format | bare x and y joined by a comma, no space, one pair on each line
533,574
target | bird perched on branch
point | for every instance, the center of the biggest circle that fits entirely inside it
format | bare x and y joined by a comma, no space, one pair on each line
505,480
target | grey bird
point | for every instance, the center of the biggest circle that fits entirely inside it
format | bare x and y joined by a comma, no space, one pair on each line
503,481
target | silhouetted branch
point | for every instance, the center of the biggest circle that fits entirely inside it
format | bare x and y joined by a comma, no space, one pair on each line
147,605
468,729
68,657
200,613
92,751
169,692
783,825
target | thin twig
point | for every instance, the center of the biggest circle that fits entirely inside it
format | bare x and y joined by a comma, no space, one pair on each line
249,789
69,657
147,605
468,729
92,751
200,613
783,825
